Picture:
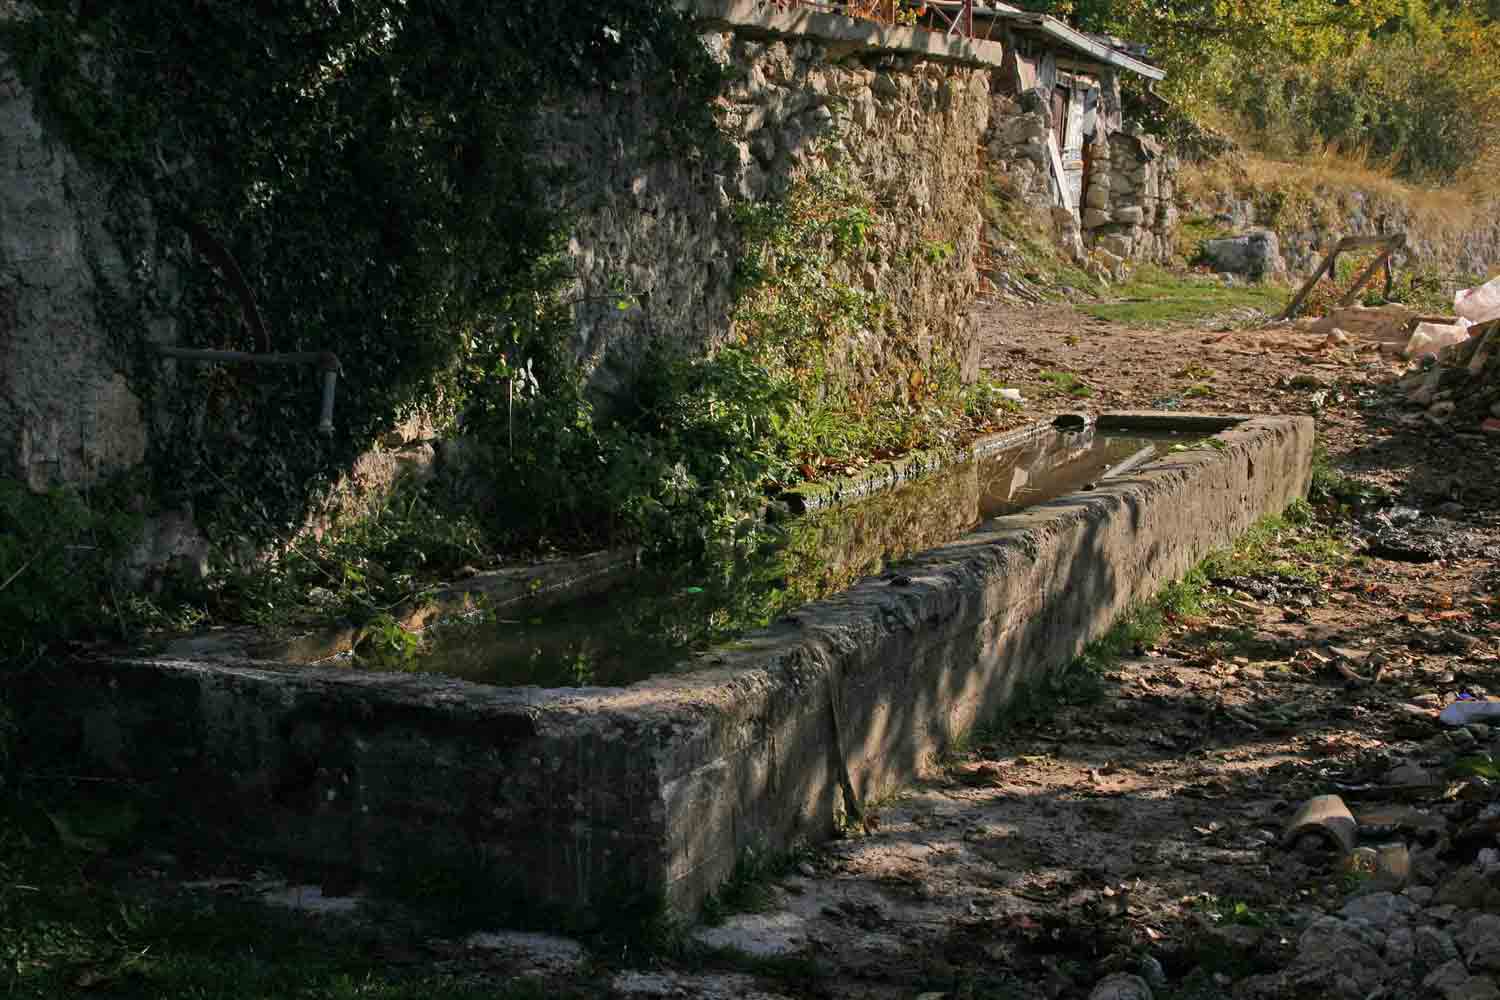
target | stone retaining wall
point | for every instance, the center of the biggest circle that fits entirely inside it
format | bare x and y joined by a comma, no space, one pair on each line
1128,211
658,234
1468,244
901,111
1129,208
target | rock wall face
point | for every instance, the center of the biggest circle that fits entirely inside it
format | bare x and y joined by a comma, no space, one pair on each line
1129,188
1017,149
655,231
653,250
68,415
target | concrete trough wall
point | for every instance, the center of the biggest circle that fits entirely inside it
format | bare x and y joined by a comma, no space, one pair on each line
573,799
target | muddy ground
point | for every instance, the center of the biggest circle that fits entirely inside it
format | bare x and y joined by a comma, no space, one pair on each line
1140,832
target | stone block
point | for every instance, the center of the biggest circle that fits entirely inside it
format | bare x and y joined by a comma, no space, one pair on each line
1256,254
1132,215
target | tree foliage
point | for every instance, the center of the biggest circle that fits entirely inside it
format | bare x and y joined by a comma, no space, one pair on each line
1407,82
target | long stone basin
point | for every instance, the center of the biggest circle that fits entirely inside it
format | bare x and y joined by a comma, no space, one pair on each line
579,800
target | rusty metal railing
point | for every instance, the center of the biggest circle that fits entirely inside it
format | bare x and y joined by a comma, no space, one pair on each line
951,17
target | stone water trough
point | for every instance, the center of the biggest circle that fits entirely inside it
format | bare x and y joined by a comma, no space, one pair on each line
573,800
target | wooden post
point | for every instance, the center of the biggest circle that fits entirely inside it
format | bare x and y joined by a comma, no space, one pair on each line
1389,243
1365,276
1307,287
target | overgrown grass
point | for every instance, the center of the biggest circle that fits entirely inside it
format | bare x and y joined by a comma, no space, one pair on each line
1192,232
749,888
1155,296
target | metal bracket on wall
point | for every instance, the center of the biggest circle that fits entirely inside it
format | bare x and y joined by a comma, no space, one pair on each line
327,362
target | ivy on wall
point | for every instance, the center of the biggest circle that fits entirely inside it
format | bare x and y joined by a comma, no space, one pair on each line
366,165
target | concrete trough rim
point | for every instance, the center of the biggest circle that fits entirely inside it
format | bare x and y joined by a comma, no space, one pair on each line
703,681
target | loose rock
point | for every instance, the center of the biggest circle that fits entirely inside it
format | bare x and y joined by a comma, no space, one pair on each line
1121,986
1480,942
1383,911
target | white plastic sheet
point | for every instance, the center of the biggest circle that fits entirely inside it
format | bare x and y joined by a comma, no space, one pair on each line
1429,338
1480,304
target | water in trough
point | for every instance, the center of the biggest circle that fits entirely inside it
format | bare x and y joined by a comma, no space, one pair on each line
656,618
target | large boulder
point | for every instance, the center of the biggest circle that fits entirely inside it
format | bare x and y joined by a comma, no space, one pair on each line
1256,254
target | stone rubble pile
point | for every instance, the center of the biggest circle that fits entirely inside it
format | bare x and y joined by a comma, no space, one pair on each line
1424,920
1458,388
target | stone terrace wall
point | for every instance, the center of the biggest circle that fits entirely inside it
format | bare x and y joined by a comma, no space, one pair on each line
1468,243
902,111
1128,209
660,228
67,414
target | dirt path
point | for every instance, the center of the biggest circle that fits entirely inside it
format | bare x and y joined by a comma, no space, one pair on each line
1139,833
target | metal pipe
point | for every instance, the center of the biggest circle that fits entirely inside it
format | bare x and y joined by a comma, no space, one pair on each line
327,362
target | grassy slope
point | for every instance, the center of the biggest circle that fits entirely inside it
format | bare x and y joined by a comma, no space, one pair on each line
1154,295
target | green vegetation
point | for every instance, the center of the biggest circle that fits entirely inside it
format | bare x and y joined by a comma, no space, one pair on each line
1332,490
1192,232
1067,383
58,552
386,212
1406,84
749,887
390,214
1154,296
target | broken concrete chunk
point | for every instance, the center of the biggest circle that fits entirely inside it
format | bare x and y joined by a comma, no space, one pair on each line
1327,817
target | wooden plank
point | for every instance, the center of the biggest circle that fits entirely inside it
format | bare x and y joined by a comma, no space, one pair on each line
1065,193
1026,72
1364,277
1296,303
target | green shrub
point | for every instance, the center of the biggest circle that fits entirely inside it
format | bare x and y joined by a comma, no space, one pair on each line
368,166
58,557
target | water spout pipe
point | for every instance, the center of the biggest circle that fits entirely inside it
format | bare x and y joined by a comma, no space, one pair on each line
327,362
